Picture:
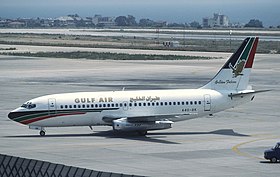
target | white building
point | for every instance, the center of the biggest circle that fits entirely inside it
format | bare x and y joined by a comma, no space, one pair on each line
218,20
103,21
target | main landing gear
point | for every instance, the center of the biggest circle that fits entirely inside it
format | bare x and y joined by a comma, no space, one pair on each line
42,133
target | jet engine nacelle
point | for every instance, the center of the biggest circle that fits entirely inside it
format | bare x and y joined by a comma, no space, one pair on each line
123,125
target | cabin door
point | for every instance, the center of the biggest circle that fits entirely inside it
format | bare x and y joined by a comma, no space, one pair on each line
207,102
52,106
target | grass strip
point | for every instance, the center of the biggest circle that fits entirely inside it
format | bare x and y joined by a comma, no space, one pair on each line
108,56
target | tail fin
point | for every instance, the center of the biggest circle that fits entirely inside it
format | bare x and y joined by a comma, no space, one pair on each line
234,75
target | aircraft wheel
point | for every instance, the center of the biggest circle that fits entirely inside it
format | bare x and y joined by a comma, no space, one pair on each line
42,133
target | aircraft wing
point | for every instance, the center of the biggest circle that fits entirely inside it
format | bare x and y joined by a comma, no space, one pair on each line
132,119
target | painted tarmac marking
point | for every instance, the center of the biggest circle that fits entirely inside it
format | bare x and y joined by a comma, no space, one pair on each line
244,154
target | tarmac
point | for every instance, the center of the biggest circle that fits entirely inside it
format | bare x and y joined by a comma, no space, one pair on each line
230,143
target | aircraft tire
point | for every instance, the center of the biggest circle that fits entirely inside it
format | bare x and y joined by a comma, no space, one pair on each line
42,133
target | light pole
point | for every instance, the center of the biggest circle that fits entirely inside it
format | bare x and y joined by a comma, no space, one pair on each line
230,32
184,35
157,31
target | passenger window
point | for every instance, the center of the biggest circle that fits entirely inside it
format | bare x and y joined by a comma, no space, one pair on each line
195,102
124,104
112,105
153,104
100,105
92,105
140,104
75,106
187,103
66,106
191,102
61,107
183,103
135,104
178,103
144,104
83,106
120,104
70,106
161,103
149,104
104,105
199,102
170,103
174,103
130,104
166,103
117,105
157,103
87,105
79,106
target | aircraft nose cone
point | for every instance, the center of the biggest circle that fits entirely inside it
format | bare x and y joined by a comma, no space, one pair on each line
12,115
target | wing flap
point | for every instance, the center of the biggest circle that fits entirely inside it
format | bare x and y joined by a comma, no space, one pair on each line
151,118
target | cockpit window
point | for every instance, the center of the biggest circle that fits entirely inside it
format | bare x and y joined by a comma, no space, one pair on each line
28,105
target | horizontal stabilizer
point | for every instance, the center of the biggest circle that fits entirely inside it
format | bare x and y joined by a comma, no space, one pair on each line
246,93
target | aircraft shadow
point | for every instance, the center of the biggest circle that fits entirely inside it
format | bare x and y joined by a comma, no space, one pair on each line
106,134
226,132
134,136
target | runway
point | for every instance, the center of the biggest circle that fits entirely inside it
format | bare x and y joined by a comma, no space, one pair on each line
230,143
168,34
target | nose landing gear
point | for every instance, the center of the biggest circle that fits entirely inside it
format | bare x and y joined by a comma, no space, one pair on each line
42,130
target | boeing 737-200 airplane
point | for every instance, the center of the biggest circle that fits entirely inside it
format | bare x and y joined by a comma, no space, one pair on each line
143,111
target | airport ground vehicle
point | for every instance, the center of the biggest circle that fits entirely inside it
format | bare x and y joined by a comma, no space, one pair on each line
273,154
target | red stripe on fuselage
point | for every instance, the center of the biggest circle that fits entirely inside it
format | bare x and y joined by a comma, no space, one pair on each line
250,60
29,121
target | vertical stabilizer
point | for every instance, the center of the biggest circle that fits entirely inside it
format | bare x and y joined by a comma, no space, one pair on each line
234,75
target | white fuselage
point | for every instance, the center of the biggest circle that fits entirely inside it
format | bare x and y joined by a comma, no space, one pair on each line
91,108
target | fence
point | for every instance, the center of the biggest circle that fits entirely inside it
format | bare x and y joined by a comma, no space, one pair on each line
21,167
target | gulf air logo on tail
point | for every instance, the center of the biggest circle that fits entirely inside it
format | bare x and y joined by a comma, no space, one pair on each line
243,57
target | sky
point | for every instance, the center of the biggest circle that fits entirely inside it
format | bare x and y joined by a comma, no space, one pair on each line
180,11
